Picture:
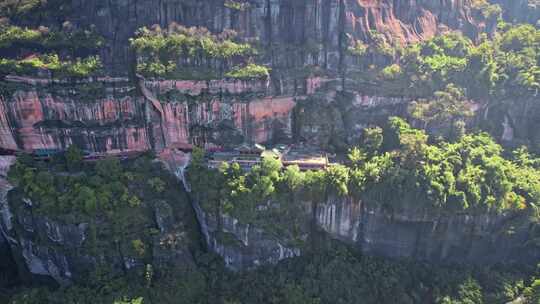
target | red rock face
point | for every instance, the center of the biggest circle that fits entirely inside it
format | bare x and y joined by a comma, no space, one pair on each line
221,112
47,122
410,20
256,120
30,121
175,124
266,113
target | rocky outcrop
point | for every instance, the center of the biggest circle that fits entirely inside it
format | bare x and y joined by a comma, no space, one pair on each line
61,251
413,20
414,233
335,121
64,252
7,139
406,231
47,121
170,114
292,37
312,26
7,263
179,114
426,235
520,122
218,112
244,246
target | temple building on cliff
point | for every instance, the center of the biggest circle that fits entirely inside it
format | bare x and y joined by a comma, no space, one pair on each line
247,156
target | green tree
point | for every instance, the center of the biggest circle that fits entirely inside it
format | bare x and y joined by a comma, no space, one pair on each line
74,158
157,184
338,179
86,197
293,178
444,111
109,169
372,139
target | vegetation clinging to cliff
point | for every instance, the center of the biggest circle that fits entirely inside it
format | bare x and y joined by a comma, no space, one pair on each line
179,52
115,202
86,67
502,67
250,71
85,189
66,39
30,51
397,168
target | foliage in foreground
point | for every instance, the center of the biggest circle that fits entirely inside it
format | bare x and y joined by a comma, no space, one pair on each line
334,274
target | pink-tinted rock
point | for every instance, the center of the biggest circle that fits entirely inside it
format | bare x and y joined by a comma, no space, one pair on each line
195,88
410,20
313,84
266,112
32,120
176,124
47,122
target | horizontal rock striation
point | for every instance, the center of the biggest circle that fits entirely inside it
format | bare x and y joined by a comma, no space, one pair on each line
48,121
169,114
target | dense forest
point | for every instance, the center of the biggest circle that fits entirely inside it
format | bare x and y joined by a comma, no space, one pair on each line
329,275
471,174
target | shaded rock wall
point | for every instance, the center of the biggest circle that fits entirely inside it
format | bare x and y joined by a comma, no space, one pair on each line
243,246
298,23
522,121
62,252
7,138
426,235
413,233
336,121
7,263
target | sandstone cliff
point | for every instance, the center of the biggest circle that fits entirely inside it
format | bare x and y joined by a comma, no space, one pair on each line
310,26
142,115
291,35
36,117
